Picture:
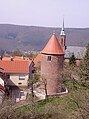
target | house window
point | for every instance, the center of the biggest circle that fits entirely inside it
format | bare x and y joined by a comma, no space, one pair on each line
22,77
49,58
19,83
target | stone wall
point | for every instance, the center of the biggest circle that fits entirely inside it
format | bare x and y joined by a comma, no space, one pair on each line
51,70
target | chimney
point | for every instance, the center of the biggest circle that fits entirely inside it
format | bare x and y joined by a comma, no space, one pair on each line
1,57
11,58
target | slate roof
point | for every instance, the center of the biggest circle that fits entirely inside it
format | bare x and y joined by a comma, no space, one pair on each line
79,52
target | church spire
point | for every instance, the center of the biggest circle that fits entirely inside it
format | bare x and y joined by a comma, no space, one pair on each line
63,38
62,30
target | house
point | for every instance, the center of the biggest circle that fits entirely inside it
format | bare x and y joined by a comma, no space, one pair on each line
2,84
18,71
2,77
79,53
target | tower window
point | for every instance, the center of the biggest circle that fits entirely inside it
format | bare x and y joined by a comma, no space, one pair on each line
49,58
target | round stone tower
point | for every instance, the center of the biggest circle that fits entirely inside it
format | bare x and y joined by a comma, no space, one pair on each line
52,65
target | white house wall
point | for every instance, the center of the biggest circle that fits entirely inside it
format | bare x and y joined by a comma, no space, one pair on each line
14,80
1,82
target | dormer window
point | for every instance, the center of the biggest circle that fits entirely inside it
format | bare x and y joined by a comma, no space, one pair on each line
49,58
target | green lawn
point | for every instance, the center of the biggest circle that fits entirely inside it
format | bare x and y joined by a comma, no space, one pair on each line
65,107
71,106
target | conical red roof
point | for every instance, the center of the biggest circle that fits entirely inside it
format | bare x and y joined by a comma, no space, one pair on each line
53,46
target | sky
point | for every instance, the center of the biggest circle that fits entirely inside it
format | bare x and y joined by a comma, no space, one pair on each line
48,13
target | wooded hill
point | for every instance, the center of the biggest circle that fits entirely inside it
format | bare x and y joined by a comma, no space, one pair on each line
13,37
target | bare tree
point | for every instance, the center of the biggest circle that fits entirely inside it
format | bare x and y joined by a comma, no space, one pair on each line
45,87
84,68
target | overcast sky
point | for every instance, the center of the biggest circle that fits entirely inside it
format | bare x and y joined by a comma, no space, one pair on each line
45,12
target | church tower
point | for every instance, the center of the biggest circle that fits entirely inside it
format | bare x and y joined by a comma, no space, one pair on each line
63,38
52,65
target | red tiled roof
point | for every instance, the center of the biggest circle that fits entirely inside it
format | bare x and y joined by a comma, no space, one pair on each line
37,59
15,58
15,66
6,58
20,58
53,46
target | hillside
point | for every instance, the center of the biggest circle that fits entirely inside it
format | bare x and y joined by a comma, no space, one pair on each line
14,37
74,105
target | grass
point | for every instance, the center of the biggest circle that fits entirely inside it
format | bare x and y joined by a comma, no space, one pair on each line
58,102
65,107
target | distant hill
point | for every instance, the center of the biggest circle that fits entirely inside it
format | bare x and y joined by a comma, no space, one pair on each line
13,37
